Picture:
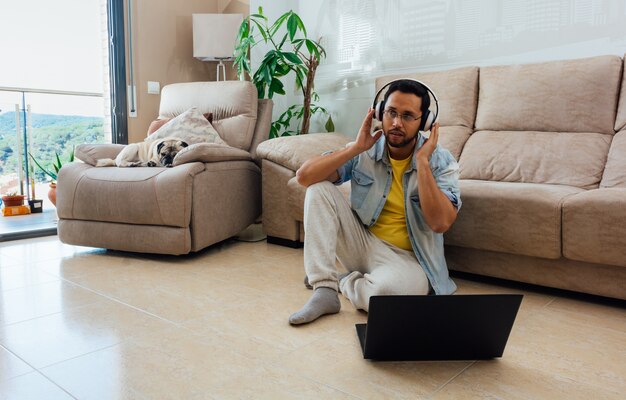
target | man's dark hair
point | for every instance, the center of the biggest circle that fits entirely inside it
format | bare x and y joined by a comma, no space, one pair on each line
410,86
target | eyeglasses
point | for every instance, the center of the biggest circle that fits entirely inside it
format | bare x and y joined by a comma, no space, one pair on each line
406,118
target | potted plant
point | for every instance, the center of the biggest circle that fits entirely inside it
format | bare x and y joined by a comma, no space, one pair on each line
290,52
13,199
53,173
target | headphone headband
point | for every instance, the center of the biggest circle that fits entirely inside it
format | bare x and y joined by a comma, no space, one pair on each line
428,119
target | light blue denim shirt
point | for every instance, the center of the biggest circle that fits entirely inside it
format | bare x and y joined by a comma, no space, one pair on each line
370,173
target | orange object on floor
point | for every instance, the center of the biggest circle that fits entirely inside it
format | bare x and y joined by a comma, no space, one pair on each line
15,210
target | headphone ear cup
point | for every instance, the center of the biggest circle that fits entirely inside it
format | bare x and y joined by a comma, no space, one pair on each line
378,110
424,122
430,120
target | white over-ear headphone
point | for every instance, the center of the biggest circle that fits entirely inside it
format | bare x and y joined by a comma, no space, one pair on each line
428,117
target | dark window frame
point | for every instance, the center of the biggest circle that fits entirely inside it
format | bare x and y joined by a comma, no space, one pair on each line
117,71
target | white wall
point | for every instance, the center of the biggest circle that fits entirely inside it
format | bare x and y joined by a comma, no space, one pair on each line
369,38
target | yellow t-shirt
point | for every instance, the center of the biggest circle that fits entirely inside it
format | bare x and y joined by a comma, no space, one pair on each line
391,224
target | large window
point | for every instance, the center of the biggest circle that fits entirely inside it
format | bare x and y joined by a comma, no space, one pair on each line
55,90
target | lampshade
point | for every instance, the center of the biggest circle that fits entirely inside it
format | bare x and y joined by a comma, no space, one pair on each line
214,36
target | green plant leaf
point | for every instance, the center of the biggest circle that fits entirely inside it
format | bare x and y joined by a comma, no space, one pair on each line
292,25
261,30
260,88
297,44
273,131
267,75
312,47
277,86
282,42
282,69
292,57
244,30
330,126
300,77
274,28
44,170
300,24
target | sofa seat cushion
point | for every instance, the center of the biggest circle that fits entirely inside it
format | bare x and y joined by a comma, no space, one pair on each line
562,158
292,151
517,218
593,226
143,196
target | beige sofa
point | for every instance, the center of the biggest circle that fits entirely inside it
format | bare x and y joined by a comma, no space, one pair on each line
542,154
172,210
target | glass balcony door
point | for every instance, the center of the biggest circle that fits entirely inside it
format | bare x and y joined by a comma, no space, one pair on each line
54,95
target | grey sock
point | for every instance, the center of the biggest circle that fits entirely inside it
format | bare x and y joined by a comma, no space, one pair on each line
324,301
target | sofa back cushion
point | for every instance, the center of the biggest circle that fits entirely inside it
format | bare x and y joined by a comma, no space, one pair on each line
620,120
544,123
563,158
233,104
456,90
557,96
615,170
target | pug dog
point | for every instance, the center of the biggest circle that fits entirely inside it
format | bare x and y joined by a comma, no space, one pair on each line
156,153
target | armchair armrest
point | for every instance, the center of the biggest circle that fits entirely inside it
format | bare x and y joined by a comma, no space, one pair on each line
210,152
91,153
292,151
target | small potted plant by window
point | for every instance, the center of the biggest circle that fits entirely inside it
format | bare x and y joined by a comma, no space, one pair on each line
52,173
12,199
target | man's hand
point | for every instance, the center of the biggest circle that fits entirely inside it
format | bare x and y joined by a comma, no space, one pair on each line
365,140
427,149
325,167
438,210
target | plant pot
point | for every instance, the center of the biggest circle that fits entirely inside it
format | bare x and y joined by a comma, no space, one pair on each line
10,201
52,194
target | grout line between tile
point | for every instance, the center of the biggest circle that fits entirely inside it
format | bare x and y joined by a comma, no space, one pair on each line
57,385
430,396
34,370
40,369
19,358
120,302
34,318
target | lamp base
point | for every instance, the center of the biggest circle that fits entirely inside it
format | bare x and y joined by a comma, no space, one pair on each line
221,66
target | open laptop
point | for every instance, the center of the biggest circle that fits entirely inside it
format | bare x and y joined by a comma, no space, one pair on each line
444,327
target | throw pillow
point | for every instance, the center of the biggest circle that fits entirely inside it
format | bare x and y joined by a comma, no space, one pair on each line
191,126
158,123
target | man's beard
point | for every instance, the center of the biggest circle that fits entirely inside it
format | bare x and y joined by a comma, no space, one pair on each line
406,139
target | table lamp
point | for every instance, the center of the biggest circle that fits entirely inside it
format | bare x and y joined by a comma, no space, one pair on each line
214,38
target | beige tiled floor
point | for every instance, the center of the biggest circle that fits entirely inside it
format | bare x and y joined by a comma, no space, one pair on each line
90,324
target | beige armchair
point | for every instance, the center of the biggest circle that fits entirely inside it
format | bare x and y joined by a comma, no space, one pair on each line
171,210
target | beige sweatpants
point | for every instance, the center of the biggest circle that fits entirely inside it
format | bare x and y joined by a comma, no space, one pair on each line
333,231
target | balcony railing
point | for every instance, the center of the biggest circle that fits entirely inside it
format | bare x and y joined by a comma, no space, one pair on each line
44,123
